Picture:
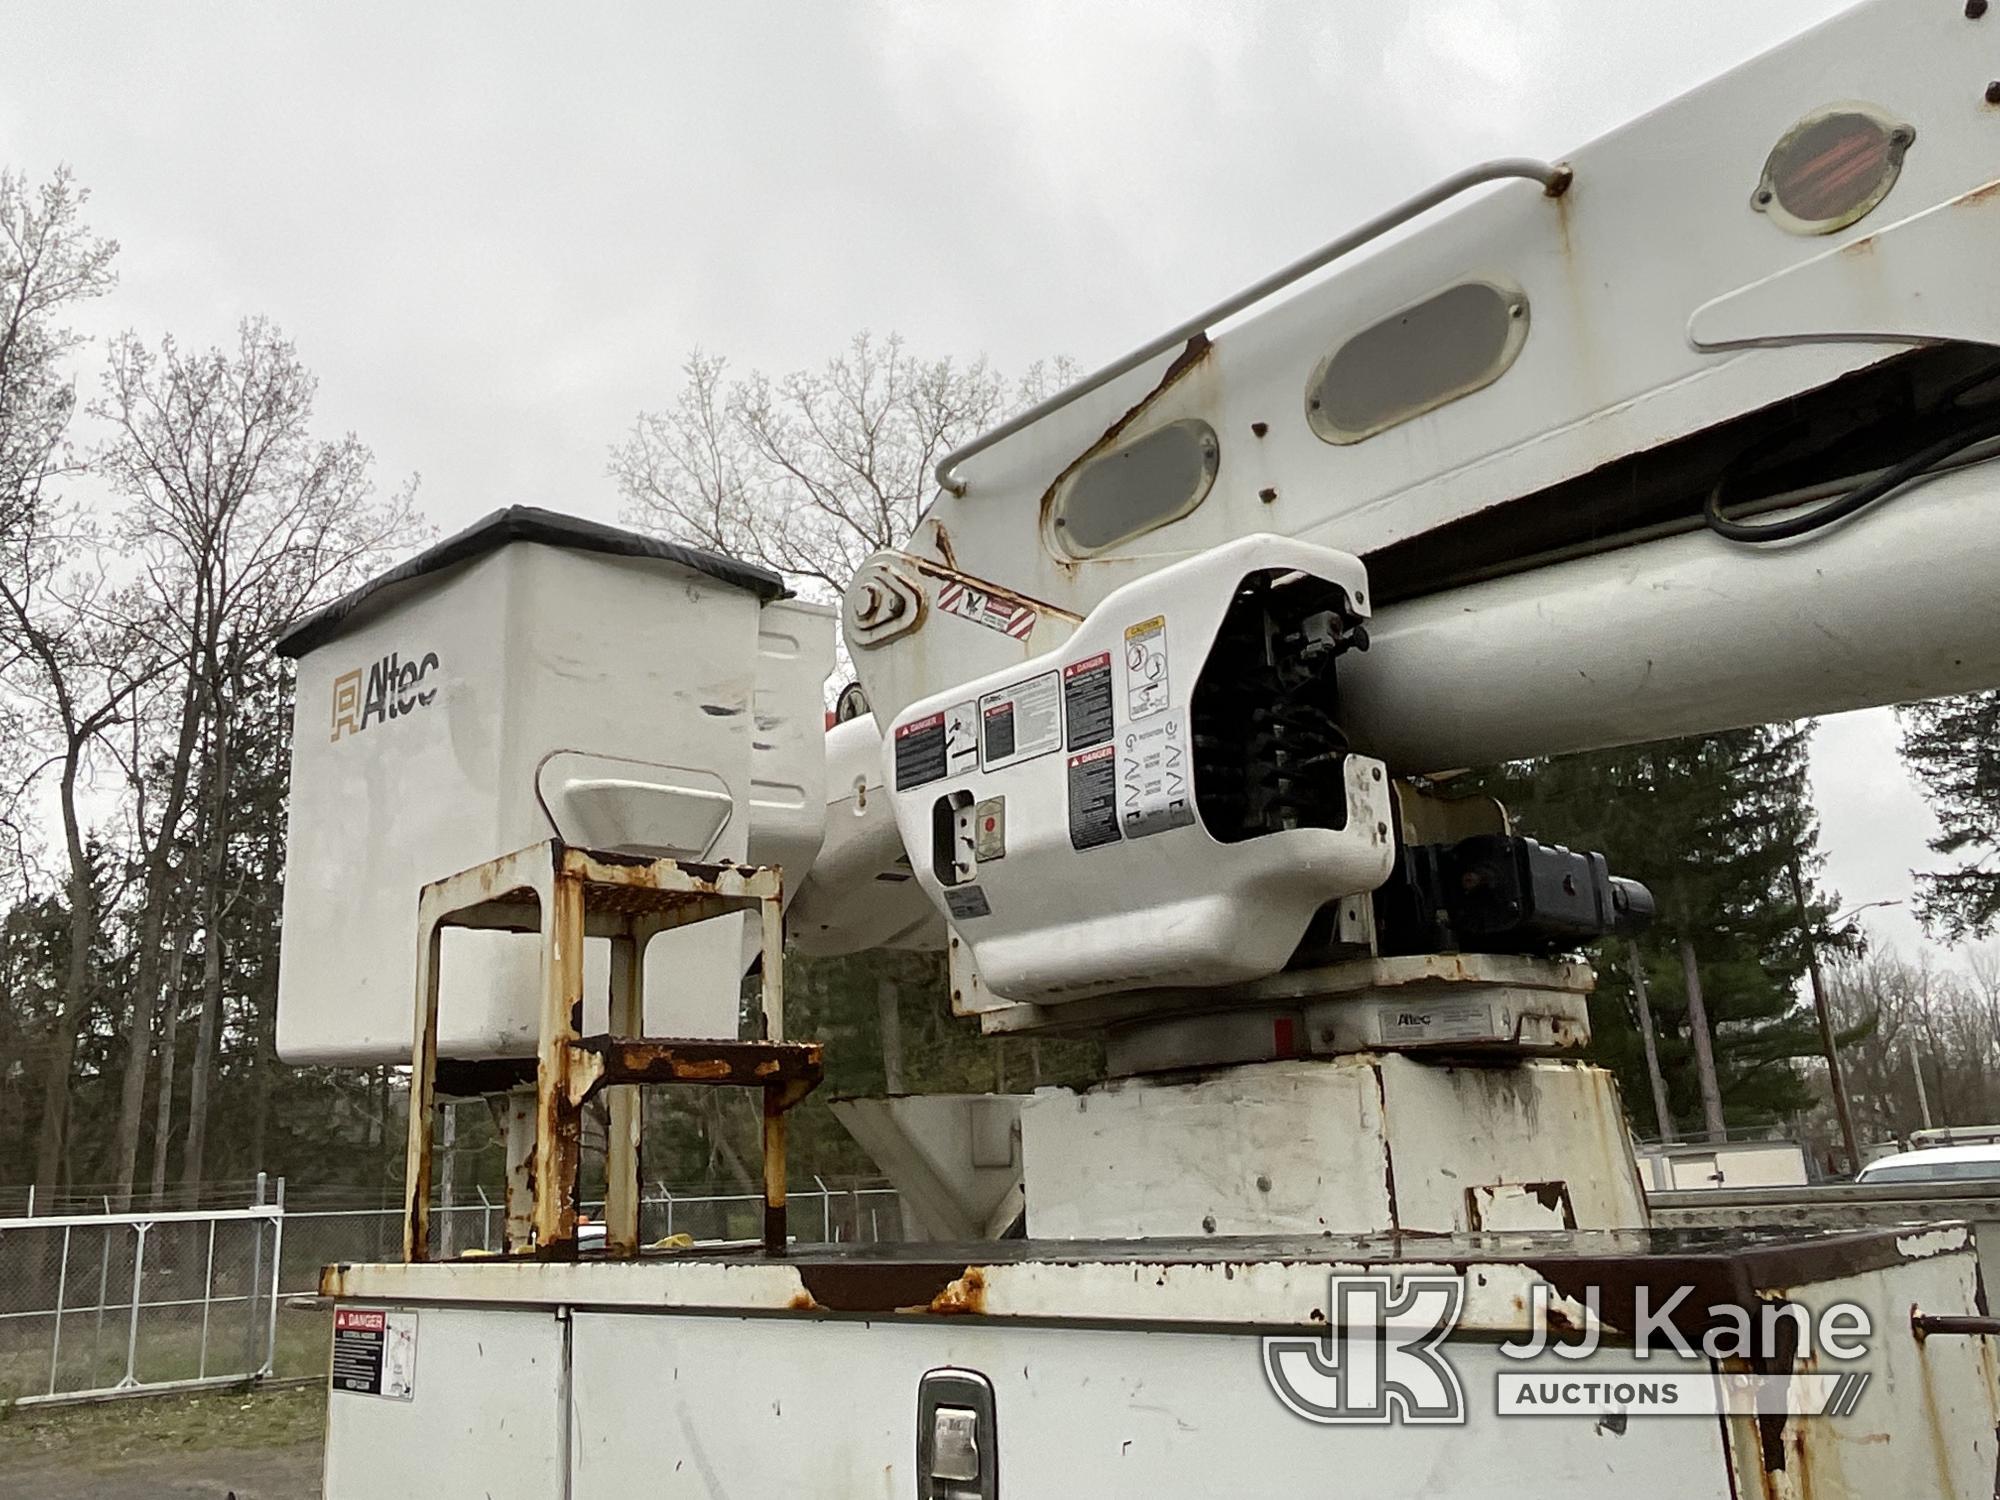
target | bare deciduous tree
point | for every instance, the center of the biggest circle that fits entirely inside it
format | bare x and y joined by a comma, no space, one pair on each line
49,262
242,519
1907,1015
813,471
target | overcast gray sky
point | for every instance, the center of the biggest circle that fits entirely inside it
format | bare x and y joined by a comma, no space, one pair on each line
495,230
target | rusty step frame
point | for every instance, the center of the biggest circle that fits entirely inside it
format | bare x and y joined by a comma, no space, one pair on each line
565,894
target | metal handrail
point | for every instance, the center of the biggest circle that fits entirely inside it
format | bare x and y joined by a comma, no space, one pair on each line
1554,178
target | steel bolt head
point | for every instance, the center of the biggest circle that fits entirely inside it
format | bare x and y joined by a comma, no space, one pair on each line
1993,92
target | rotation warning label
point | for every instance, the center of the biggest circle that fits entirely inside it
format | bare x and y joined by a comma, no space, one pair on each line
1153,788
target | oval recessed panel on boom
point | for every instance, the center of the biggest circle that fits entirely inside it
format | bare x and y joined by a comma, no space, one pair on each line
1138,487
1832,168
1417,360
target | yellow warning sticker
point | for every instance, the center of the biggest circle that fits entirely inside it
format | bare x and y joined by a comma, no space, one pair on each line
1146,667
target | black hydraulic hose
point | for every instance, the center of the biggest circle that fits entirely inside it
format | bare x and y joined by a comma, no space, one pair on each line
1860,497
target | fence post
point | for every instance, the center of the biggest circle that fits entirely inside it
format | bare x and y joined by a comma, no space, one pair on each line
207,1302
62,1286
256,1275
277,1263
31,1200
825,1211
132,1332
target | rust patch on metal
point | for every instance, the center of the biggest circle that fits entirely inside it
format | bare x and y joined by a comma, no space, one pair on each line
1388,1154
965,1296
802,1301
1196,352
942,539
612,1060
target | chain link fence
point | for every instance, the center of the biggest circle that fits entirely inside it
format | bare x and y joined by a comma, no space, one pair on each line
821,1214
100,1305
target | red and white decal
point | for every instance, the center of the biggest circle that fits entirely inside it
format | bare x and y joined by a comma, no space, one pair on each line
990,610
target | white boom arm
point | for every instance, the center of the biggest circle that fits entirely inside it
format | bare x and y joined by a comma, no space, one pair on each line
1547,425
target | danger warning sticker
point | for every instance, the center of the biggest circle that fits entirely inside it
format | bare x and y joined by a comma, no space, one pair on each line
375,1352
983,608
920,752
1093,798
1146,689
1087,700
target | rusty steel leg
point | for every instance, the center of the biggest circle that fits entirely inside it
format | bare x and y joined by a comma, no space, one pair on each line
772,913
774,1169
518,1228
559,1122
624,1103
423,1096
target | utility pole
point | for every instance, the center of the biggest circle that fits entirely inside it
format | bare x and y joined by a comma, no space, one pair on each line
1835,1077
1661,1112
1923,1098
1704,1048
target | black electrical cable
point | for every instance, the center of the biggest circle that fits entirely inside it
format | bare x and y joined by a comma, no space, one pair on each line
1861,496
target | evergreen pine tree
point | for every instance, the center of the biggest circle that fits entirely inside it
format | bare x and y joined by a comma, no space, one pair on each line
1713,826
1953,744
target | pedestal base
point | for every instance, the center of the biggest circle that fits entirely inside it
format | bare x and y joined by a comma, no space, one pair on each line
1358,1144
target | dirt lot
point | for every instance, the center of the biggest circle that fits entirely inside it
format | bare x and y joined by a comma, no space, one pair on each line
262,1446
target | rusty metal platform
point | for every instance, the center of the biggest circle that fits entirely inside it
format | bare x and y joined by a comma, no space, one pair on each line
564,895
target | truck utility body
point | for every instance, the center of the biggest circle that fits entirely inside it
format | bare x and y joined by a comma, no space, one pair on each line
1124,1368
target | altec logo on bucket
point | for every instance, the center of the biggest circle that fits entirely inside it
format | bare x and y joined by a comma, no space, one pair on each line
391,692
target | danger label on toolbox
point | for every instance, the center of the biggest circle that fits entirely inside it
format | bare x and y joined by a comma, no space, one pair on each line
1020,722
1087,700
920,751
375,1352
1093,798
1146,667
1154,792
